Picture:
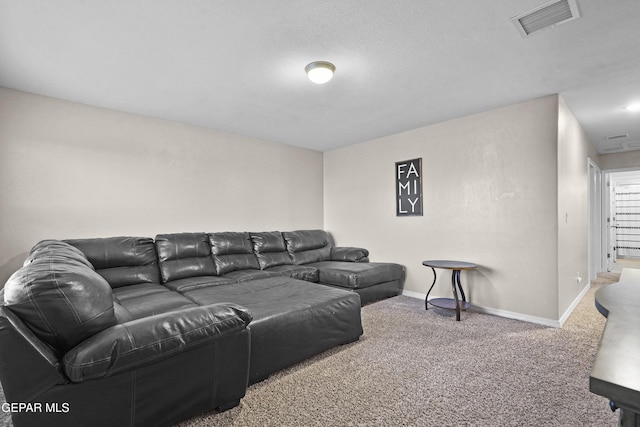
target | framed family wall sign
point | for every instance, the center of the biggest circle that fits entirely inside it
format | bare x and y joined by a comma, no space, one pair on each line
409,187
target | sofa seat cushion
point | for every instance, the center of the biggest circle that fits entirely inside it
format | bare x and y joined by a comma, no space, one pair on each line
182,285
149,299
301,272
356,275
292,319
244,275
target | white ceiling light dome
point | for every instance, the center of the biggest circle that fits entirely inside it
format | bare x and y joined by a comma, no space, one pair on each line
633,107
320,72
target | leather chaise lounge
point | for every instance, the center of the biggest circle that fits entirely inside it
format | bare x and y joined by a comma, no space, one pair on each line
134,331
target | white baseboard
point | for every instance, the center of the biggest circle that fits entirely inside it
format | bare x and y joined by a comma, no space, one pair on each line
412,294
517,316
574,304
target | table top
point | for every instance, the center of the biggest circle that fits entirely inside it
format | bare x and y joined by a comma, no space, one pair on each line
450,265
615,373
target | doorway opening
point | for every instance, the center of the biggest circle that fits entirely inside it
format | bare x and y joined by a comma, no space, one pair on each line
622,219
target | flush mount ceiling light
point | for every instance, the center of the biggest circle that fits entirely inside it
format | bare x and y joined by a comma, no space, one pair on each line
320,72
633,107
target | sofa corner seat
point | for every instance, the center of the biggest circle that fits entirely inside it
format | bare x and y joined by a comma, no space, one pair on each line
150,358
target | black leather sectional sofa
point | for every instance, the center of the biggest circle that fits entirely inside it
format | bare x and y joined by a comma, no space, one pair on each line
134,331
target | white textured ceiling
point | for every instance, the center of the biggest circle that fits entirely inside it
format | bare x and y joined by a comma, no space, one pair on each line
238,66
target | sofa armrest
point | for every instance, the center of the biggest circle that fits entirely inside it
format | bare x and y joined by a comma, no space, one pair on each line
350,254
139,342
27,364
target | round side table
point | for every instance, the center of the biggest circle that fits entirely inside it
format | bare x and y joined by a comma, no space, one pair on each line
448,303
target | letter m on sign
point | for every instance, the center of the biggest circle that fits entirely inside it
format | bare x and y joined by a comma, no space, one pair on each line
409,188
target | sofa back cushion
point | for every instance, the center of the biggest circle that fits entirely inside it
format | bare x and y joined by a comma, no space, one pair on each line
307,246
61,299
233,251
122,261
183,255
270,249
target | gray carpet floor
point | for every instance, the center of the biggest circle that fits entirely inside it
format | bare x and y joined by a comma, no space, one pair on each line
422,368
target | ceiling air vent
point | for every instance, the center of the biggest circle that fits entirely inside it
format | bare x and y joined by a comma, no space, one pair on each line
622,135
546,16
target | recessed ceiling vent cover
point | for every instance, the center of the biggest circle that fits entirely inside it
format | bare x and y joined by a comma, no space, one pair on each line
546,16
622,135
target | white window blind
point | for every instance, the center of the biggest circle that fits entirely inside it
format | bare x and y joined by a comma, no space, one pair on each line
627,221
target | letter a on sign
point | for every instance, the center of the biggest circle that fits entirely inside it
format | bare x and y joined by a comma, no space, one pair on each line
409,188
